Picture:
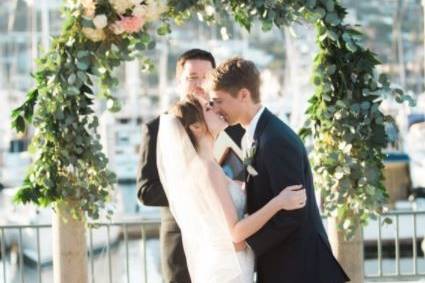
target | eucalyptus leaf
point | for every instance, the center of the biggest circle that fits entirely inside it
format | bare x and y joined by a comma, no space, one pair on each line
351,46
331,69
71,79
320,12
332,19
365,105
164,29
266,25
83,53
87,22
311,4
73,91
332,35
83,66
330,5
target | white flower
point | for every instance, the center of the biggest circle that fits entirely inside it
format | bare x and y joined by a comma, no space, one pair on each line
251,170
100,21
154,10
249,159
150,10
140,11
210,10
121,6
94,34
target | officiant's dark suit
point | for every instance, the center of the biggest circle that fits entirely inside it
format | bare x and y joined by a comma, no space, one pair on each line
293,246
151,192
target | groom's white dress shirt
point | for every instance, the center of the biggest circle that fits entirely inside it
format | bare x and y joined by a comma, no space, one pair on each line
248,138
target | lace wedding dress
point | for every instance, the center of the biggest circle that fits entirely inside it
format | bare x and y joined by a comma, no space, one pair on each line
207,241
245,257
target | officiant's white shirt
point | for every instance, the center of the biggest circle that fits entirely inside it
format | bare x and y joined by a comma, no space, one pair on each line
248,138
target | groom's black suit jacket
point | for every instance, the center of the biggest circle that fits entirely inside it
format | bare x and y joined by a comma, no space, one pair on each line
293,246
150,192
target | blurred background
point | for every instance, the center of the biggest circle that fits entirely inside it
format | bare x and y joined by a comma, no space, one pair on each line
394,30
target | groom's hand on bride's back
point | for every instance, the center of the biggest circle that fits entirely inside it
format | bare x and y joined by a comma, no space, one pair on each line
291,198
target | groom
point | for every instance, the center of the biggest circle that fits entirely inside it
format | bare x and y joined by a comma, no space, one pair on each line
293,246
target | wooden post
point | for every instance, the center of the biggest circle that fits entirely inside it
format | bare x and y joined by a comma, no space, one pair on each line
348,253
69,247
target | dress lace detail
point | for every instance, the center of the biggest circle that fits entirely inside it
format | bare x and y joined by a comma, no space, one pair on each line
246,257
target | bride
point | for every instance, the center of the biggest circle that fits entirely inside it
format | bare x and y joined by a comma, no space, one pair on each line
208,206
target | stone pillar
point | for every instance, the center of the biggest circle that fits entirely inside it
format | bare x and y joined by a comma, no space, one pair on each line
348,253
69,247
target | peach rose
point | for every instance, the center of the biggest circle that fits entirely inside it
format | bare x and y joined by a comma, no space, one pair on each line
89,7
128,24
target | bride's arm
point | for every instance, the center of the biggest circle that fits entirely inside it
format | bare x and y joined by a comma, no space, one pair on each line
289,199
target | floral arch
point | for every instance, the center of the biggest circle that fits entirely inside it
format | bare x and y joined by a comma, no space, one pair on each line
97,35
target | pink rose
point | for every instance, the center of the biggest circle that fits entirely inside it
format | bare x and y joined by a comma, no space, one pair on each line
129,24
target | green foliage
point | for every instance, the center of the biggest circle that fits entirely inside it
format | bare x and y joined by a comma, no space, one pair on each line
68,160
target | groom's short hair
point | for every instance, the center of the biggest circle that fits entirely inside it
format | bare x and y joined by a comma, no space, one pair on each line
235,74
193,54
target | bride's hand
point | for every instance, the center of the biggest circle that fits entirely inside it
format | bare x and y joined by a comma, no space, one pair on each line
240,184
292,197
239,246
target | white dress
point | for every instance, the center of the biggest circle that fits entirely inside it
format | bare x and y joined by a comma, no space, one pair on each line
245,257
192,196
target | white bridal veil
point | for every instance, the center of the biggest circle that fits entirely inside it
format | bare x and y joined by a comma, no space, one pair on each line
193,202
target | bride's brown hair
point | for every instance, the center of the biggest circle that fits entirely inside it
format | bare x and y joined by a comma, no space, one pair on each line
189,111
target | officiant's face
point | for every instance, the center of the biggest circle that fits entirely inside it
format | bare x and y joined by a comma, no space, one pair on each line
192,77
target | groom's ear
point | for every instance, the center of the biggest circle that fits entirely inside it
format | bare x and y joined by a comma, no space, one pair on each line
244,94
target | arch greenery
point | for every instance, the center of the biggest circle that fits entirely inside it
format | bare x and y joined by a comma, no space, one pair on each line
343,115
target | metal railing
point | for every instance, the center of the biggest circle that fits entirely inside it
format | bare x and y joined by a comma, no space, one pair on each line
109,242
402,241
16,253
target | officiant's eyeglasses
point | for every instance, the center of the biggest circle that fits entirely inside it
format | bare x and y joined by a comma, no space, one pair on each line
195,79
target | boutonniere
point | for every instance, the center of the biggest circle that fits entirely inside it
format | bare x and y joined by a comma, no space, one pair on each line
249,159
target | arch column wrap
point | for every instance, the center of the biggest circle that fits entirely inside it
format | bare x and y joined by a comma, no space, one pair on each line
349,253
69,246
